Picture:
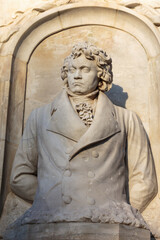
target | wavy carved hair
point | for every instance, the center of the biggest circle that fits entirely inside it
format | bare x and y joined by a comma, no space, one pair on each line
103,61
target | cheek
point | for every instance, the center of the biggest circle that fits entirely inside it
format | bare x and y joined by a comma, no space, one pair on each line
93,80
70,79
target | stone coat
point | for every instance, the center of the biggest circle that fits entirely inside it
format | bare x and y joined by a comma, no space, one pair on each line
82,172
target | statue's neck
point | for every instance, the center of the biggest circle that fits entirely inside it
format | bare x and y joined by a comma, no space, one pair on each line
83,98
84,105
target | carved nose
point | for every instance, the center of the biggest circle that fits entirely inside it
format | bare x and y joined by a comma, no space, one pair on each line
78,74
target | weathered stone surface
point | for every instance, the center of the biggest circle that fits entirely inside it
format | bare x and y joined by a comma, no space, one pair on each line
5,67
10,150
67,188
16,104
14,208
151,74
77,231
123,93
152,216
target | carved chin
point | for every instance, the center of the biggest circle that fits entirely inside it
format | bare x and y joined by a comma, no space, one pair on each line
76,89
79,90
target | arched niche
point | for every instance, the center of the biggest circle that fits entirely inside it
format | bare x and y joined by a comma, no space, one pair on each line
75,18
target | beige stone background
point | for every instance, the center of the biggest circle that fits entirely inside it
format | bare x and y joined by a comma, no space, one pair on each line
131,67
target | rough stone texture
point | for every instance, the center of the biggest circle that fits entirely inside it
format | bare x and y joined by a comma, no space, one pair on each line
151,213
14,207
17,93
76,190
123,91
4,97
16,97
13,10
78,231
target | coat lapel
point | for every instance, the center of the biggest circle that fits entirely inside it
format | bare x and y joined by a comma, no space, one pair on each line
104,125
64,120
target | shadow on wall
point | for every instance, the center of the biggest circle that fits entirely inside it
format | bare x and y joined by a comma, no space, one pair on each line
153,238
117,96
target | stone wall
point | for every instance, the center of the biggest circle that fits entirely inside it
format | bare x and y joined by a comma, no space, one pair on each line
35,38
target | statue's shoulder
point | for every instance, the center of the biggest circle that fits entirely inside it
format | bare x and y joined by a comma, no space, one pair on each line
126,116
47,109
123,111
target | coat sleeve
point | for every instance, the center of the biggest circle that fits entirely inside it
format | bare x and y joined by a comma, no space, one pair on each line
142,175
23,175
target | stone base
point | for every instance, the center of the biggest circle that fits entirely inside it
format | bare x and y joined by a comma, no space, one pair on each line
77,231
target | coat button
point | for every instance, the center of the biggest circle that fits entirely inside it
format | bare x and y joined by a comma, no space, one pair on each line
67,173
95,154
91,174
67,199
90,201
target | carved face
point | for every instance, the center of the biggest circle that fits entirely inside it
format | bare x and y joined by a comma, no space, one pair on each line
82,75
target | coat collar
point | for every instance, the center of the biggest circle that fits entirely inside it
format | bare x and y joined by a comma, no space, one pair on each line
64,119
66,122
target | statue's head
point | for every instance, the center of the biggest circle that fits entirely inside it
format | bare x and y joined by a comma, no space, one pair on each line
86,69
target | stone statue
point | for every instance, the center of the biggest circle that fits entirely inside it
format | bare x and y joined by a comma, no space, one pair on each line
79,155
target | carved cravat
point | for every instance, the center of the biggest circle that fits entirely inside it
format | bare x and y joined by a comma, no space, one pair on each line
85,112
84,105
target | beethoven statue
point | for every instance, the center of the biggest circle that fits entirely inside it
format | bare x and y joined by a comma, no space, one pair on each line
79,155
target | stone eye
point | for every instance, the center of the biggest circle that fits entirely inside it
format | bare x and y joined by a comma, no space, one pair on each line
72,70
86,69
